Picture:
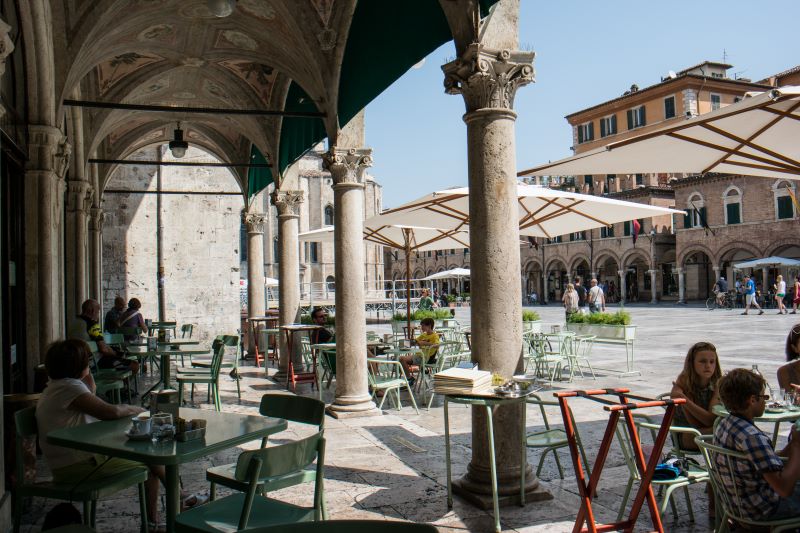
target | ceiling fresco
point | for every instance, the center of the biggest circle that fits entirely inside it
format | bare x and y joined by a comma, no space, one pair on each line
258,76
110,72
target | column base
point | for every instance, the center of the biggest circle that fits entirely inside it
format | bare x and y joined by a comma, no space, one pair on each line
480,494
353,408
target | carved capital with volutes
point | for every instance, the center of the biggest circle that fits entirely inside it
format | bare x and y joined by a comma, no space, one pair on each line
287,202
6,45
488,78
49,150
96,219
79,196
347,165
255,222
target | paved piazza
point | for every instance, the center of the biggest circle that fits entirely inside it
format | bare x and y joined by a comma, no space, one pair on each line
392,466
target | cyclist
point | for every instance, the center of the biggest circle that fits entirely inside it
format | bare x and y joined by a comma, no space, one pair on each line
721,289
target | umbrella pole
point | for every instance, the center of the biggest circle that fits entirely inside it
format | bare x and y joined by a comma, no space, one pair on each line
408,289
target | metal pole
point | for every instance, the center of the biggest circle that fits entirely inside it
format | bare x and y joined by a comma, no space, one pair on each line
162,304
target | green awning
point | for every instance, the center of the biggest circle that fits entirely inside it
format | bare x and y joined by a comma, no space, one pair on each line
385,40
258,178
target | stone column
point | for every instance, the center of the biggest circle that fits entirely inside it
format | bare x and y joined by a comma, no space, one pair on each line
765,286
681,285
716,270
623,289
97,216
653,290
545,289
255,267
79,201
488,80
44,211
347,168
288,205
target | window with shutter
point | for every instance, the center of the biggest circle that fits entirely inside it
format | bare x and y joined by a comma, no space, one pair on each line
630,119
626,228
687,221
603,128
587,179
642,117
733,213
613,125
580,134
591,131
716,102
669,107
785,208
639,179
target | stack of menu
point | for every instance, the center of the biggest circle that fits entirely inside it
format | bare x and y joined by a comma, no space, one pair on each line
462,381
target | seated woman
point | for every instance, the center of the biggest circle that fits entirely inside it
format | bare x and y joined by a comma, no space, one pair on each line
789,374
697,384
132,318
69,401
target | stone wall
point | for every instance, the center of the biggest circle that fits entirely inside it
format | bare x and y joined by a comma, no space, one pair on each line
200,243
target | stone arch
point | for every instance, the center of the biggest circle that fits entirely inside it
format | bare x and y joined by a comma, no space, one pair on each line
553,260
782,244
577,259
531,264
603,257
440,269
624,261
733,246
691,250
452,266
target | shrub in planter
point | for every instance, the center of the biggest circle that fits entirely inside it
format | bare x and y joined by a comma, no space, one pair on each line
330,320
620,318
436,314
530,316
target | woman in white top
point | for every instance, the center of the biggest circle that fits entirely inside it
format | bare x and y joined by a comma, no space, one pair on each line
780,293
69,400
570,300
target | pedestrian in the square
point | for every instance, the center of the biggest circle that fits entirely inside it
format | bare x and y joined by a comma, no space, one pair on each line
796,295
581,290
780,294
596,298
750,296
570,300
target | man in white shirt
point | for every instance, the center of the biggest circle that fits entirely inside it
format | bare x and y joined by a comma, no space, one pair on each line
597,300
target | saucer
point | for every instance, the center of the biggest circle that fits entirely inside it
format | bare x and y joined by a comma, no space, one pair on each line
137,436
774,410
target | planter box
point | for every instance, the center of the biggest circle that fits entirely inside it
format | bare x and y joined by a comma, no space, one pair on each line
532,325
604,332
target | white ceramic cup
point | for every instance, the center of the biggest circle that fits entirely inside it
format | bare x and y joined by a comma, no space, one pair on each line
141,424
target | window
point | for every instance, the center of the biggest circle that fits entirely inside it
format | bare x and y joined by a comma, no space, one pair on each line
554,240
669,107
608,126
313,249
607,231
636,117
587,180
639,179
737,99
578,236
695,212
329,215
732,199
608,185
716,102
628,227
585,132
276,256
243,242
784,206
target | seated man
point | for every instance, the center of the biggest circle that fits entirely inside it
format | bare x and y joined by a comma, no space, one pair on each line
768,488
321,335
87,328
429,340
112,323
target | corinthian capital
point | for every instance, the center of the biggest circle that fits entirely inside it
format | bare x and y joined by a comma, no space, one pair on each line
255,222
347,165
79,196
488,78
287,202
97,217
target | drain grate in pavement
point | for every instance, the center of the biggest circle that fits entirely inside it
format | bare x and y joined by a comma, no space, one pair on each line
408,444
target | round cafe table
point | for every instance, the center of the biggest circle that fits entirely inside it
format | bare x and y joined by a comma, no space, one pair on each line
772,417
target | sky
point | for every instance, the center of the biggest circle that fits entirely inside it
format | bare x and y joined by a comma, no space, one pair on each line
587,52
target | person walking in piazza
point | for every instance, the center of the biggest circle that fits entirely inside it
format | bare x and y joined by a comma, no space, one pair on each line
750,296
581,290
596,298
780,294
570,300
796,295
721,289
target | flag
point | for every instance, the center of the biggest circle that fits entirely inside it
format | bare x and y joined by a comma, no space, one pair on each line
532,242
702,218
794,200
636,228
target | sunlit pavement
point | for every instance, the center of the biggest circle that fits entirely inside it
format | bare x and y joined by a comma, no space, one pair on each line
392,467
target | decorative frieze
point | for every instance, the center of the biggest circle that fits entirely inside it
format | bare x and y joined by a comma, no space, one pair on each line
488,78
347,165
287,202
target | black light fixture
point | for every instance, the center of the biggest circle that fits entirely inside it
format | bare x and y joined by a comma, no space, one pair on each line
221,8
178,146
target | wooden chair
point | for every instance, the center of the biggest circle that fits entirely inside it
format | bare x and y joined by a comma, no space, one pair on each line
285,464
87,491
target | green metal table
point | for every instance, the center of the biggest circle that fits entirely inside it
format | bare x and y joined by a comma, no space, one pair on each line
488,401
165,355
225,430
771,416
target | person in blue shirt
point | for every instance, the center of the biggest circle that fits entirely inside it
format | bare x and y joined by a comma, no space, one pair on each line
750,296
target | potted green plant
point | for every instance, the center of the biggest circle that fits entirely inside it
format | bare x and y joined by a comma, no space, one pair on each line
605,326
531,321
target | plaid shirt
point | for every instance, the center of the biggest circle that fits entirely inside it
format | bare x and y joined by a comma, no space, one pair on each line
755,496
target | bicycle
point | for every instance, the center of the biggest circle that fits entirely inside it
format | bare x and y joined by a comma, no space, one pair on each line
727,303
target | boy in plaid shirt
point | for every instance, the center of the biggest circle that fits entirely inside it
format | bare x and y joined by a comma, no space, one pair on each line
765,487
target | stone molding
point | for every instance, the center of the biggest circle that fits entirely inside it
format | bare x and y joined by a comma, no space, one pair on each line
49,150
288,202
6,45
347,165
255,222
79,196
488,78
97,218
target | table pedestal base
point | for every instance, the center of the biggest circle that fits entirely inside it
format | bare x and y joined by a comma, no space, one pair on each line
465,488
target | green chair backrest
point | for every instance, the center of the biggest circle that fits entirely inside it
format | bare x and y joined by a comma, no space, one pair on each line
348,526
218,353
294,408
722,463
113,338
92,346
187,330
25,422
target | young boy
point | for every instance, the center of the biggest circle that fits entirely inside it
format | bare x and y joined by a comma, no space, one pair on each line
429,340
767,488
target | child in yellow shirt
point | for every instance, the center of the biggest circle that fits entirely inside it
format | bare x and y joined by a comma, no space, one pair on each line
429,340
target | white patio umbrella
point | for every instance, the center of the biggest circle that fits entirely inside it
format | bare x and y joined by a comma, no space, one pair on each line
543,212
271,282
757,136
768,262
453,273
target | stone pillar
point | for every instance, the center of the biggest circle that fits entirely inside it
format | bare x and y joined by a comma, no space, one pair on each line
255,267
681,285
716,270
97,216
79,201
347,168
623,289
594,276
545,289
765,286
44,211
653,290
488,80
288,205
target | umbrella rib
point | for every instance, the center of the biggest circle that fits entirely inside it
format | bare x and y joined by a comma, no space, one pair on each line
784,114
422,203
533,214
794,171
560,213
724,149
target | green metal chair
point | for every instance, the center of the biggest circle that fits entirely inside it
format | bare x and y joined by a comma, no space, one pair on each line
208,376
186,331
86,491
695,474
349,526
202,366
388,376
550,439
729,503
108,382
443,362
289,407
278,465
577,350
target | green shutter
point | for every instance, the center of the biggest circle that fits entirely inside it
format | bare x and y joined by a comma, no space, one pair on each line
613,125
703,216
591,131
785,207
630,119
603,131
580,133
733,212
642,117
626,228
687,220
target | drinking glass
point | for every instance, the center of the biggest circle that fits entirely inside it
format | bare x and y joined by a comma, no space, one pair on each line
781,397
791,400
162,428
